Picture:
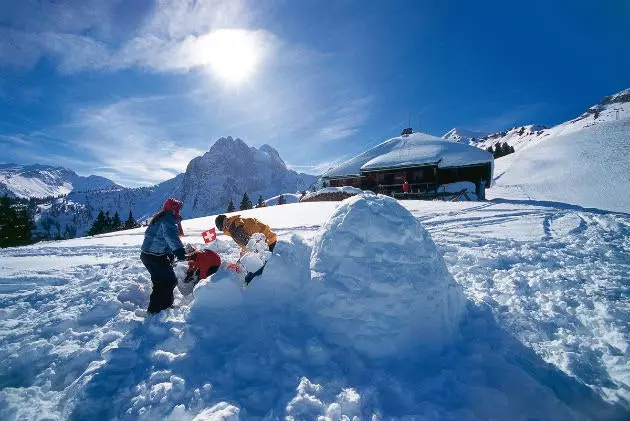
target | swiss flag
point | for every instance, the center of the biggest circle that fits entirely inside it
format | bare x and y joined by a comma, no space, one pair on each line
209,236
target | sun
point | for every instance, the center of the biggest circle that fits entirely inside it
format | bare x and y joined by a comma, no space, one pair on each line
232,55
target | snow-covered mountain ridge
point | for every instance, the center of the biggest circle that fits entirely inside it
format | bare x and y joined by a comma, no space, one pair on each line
612,107
37,180
229,169
580,162
459,134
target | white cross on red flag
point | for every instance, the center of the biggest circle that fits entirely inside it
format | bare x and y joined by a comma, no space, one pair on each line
209,236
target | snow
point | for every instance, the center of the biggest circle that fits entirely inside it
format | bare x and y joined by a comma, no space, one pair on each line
414,149
368,295
459,134
288,198
576,163
325,190
544,332
43,180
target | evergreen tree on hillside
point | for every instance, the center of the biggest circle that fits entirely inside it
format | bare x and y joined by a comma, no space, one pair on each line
108,222
100,224
231,207
261,202
324,185
490,150
498,152
15,222
116,224
281,200
130,222
245,202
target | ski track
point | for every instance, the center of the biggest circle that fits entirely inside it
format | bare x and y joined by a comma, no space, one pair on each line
556,278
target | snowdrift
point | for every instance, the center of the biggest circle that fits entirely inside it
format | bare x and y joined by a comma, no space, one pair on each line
378,283
302,341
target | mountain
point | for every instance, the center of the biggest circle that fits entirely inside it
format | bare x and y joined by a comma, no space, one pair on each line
463,135
229,169
37,180
581,162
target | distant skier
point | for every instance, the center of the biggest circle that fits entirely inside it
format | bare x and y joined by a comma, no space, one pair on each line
160,247
242,230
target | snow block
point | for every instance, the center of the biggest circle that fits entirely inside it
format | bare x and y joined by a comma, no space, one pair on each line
379,284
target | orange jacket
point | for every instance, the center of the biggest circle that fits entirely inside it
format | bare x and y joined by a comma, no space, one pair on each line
241,229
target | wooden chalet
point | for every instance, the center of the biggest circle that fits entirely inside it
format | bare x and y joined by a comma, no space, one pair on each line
425,162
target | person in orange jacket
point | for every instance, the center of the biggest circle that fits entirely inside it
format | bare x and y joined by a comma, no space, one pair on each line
241,230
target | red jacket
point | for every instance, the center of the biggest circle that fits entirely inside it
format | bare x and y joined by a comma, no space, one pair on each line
406,187
207,261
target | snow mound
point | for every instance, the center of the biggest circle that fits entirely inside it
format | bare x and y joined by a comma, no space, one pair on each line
379,283
332,193
288,198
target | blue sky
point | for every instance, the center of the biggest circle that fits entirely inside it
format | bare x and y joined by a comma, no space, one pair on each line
132,90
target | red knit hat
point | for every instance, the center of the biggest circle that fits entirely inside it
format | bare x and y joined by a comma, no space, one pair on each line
175,206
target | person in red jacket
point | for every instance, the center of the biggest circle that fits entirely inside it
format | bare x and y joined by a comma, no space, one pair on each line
201,264
406,187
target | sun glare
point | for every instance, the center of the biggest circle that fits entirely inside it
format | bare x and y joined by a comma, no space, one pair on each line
232,55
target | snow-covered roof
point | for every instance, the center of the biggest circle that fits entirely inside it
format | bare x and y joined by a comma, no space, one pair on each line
413,150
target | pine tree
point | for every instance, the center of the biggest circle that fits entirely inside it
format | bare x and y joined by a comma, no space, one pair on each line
506,149
324,185
261,202
498,152
281,200
6,221
99,225
108,222
231,207
490,149
116,223
15,222
130,222
245,202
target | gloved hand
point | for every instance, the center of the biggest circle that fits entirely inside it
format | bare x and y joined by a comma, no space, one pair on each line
180,253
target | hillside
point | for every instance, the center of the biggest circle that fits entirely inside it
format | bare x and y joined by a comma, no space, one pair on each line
41,181
578,162
459,134
496,311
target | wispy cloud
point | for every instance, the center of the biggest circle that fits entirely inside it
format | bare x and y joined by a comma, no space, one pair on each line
174,37
129,143
346,119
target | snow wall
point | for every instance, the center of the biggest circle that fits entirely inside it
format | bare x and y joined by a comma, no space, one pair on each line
373,281
379,284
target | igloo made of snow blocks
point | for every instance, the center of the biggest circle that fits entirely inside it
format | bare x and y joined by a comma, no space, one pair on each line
379,284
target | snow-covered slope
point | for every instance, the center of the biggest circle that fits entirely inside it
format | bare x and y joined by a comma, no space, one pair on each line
459,134
518,137
288,198
583,161
544,332
44,180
